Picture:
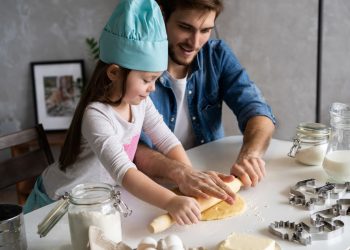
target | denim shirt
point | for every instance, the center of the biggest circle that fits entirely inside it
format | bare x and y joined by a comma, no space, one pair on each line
215,76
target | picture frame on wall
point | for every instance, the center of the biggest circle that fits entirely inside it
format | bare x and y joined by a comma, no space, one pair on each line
57,88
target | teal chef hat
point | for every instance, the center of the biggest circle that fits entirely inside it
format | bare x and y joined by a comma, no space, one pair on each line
135,37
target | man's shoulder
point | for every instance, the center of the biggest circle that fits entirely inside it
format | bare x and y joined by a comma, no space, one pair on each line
216,48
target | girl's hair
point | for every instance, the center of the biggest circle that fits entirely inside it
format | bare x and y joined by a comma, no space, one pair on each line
98,89
169,6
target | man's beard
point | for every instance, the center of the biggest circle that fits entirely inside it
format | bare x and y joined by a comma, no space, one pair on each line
173,57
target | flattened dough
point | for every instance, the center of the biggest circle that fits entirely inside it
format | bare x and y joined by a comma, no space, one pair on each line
223,210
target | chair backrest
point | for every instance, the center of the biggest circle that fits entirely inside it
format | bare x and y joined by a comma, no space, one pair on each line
30,164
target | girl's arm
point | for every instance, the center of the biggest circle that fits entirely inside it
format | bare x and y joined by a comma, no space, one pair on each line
184,210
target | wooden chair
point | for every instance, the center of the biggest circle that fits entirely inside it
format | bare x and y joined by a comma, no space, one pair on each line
30,155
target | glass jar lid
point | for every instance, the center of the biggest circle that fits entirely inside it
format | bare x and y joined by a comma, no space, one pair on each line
91,194
310,130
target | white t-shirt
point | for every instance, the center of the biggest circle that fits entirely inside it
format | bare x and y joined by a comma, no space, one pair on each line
183,126
108,146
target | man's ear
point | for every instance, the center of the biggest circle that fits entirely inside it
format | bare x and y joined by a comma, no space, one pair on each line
113,72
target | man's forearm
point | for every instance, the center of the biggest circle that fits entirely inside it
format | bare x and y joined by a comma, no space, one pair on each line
157,165
257,136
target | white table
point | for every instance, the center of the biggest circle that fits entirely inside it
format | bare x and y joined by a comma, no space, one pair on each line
266,203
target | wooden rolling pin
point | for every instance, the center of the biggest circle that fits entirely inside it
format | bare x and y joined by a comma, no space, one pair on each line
164,221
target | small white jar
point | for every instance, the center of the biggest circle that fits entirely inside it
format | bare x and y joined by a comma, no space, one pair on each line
310,143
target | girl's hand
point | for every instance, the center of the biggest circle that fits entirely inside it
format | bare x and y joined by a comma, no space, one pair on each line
184,210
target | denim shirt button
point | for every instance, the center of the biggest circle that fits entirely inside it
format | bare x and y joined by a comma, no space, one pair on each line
190,92
194,118
202,141
172,119
161,79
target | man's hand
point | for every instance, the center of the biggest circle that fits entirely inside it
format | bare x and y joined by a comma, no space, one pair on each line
250,170
205,184
249,166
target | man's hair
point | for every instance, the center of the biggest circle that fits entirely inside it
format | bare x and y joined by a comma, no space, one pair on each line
169,6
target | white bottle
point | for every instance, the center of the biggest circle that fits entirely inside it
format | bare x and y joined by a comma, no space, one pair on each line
337,160
337,165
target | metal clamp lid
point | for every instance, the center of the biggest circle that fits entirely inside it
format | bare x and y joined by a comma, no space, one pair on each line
53,216
294,149
120,205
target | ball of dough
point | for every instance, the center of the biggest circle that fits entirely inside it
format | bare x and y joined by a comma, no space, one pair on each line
173,240
147,242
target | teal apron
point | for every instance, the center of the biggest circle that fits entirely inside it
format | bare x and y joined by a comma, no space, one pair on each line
37,198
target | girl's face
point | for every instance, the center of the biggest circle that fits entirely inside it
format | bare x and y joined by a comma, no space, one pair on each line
139,84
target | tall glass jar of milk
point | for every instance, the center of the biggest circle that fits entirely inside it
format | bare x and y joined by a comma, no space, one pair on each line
310,143
88,204
337,160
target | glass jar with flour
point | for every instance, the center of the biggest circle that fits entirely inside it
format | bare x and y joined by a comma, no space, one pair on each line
89,204
310,143
337,159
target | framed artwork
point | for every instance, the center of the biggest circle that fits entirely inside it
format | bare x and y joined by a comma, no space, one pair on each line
57,89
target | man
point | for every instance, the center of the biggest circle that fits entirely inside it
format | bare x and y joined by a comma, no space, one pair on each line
201,74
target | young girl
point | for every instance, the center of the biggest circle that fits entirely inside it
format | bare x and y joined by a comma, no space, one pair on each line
114,108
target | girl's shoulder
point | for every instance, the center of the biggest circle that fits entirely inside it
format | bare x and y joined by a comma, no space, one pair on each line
98,107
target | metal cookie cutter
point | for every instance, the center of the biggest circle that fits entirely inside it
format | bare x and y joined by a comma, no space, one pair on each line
325,224
291,231
305,234
341,208
322,195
